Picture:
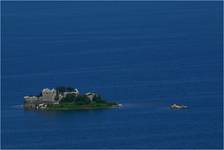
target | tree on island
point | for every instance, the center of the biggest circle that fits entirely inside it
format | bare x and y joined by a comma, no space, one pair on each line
63,89
77,99
98,98
82,99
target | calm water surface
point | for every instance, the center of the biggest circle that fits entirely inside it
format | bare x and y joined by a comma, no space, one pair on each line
145,55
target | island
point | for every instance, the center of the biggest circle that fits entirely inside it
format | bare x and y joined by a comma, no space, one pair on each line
66,98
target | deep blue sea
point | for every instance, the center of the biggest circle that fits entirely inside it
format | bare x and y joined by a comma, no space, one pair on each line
145,55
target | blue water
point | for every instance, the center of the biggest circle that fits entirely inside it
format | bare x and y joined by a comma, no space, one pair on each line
145,55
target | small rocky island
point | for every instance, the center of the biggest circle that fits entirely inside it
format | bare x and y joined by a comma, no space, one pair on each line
66,98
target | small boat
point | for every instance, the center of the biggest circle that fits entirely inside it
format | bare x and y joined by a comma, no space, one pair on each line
176,106
120,105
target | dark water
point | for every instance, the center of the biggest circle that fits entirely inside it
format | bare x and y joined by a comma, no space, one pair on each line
145,55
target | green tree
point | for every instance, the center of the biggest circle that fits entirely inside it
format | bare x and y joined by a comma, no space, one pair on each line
68,99
82,100
63,89
98,99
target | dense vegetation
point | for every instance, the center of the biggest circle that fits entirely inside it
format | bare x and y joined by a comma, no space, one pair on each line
62,89
79,99
76,102
82,99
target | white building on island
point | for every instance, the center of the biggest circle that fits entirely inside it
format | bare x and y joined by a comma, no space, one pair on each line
75,92
49,96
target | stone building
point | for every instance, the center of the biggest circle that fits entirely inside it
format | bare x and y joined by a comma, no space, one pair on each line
48,95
